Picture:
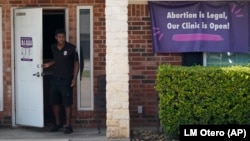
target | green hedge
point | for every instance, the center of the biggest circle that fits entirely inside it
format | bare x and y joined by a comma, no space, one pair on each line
202,95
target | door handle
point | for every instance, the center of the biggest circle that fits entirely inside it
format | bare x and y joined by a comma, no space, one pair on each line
39,66
36,74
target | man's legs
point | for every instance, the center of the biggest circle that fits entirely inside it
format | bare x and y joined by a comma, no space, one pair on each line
67,95
68,129
58,124
68,110
56,101
56,110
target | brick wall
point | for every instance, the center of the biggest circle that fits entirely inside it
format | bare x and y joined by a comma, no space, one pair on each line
81,119
143,66
143,62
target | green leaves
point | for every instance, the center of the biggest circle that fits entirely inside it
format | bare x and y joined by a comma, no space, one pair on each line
203,95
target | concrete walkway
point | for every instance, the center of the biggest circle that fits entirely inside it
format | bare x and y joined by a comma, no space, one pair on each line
43,134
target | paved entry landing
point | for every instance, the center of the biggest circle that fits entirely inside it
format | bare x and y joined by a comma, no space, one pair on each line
43,134
34,139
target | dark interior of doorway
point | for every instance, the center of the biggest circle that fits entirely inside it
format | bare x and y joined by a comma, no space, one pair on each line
52,20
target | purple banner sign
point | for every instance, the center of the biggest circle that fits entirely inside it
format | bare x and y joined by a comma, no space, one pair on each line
199,26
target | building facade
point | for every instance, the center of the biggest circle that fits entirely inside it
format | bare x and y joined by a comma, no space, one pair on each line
118,65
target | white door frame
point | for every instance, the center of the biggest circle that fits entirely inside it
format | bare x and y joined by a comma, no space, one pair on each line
1,63
13,52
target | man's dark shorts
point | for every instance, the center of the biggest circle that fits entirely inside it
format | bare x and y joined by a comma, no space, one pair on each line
61,91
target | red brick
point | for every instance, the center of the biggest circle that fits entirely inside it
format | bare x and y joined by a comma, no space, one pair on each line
15,1
44,1
58,1
142,59
72,1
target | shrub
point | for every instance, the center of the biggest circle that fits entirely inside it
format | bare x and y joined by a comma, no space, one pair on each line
202,95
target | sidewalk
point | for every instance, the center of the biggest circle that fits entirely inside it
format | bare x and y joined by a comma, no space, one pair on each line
43,134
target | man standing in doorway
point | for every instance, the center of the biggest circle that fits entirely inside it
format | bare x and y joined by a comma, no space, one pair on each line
65,70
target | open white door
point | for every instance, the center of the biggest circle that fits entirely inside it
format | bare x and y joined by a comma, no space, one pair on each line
28,34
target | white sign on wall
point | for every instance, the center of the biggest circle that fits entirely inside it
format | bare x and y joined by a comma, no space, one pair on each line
27,48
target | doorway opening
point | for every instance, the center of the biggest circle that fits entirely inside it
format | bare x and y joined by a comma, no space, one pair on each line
52,20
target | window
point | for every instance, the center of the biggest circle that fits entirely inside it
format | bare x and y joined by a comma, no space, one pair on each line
85,49
215,59
227,59
1,64
192,59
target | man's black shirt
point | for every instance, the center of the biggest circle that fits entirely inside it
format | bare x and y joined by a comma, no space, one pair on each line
64,60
